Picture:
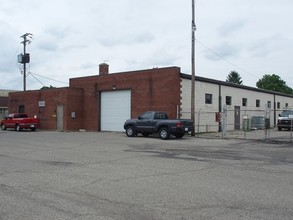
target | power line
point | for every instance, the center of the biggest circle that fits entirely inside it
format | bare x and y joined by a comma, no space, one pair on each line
49,78
221,57
36,78
10,65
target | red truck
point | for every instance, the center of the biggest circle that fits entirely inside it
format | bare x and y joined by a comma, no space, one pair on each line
19,121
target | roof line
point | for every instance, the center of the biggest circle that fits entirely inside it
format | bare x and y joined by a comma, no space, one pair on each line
218,82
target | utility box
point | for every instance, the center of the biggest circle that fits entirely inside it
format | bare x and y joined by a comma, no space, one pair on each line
23,58
245,123
267,123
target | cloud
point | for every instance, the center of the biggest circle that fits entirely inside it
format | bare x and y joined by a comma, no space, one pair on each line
223,51
231,27
127,39
265,46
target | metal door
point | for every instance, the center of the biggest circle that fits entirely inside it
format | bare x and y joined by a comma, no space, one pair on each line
237,117
60,117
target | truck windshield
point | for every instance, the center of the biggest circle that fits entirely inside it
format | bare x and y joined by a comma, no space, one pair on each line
287,113
20,115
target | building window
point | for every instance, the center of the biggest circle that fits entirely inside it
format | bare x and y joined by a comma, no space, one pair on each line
21,109
278,105
269,104
257,103
286,105
209,98
228,100
244,101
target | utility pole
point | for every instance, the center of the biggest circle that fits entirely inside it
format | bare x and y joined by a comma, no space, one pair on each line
193,29
25,58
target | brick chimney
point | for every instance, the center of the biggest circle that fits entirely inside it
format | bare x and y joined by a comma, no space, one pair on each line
103,69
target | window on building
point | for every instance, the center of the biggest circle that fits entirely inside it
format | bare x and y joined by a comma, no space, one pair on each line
208,98
228,100
286,105
21,109
269,104
244,101
257,103
278,105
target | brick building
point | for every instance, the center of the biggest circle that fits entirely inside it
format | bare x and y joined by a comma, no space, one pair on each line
102,102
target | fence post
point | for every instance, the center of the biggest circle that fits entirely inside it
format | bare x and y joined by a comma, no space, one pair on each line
291,129
198,119
268,117
224,121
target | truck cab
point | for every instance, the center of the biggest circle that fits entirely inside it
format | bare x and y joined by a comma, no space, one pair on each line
285,120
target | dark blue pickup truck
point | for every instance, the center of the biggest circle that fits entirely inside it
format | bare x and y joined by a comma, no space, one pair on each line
157,122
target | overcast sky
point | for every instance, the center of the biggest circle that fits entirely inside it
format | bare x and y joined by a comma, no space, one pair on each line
72,37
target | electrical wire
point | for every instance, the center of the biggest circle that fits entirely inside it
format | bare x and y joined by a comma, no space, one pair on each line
49,78
10,66
221,57
30,74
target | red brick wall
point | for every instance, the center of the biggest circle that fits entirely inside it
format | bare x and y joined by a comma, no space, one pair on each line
153,89
70,98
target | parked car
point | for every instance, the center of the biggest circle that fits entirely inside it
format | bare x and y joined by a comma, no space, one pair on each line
19,121
157,122
285,120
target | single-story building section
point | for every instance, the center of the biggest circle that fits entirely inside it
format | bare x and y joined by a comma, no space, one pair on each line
103,102
4,102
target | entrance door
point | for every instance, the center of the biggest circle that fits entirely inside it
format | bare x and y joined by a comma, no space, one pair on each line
60,117
237,117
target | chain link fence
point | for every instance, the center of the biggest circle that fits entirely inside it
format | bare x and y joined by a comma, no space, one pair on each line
239,123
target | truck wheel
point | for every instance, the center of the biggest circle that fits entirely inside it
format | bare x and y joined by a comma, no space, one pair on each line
179,135
3,127
164,133
130,131
279,129
17,127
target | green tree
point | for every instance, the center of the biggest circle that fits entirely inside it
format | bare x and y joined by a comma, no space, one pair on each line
47,87
275,83
234,77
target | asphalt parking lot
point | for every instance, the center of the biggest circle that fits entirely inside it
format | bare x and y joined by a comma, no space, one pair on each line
105,176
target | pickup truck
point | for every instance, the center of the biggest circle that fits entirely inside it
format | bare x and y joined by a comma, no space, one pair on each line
19,121
285,120
157,122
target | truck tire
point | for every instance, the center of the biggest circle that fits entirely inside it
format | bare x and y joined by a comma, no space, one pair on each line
130,132
179,135
3,127
17,127
164,133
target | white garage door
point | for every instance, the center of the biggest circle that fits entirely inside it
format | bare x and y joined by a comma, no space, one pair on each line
115,109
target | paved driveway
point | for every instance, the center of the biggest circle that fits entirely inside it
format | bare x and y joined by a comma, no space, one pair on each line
106,176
